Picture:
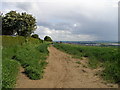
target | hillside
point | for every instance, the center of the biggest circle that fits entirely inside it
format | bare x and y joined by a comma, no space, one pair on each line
30,63
19,52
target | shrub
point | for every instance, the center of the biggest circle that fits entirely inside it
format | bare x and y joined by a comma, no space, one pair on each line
35,36
33,73
47,38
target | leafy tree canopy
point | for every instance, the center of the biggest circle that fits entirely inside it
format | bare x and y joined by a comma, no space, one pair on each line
22,24
47,38
35,36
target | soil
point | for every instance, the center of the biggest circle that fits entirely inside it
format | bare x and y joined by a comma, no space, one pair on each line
63,71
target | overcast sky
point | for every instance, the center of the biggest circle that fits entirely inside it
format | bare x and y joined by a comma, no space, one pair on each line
71,20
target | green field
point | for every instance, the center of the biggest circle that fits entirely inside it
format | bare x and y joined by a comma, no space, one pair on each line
31,54
106,57
18,51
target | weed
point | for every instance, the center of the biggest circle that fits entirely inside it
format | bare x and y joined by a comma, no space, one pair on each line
78,62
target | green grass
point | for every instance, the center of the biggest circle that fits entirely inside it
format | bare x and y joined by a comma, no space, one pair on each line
30,53
32,59
107,57
8,41
78,62
10,70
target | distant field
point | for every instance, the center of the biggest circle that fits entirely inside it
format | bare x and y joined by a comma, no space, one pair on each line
29,53
93,43
106,57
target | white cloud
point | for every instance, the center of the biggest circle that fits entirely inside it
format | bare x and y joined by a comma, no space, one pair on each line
71,19
62,35
75,25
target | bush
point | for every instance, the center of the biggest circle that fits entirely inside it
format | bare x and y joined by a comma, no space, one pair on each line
35,36
33,73
47,38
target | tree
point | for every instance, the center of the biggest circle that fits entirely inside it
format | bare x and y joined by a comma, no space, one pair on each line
27,25
47,38
35,36
22,24
0,23
9,23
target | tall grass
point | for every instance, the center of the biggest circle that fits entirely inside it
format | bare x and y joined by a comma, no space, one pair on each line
107,57
8,41
30,53
32,59
10,70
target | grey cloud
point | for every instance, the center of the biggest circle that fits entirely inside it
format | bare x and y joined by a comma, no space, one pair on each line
100,22
24,6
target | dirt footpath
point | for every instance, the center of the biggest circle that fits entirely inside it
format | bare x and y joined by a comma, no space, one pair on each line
63,71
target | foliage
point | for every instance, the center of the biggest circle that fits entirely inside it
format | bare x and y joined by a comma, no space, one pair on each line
9,72
27,54
31,59
47,38
33,73
42,48
27,24
8,41
69,49
34,40
78,62
112,69
108,57
0,23
22,24
35,36
9,23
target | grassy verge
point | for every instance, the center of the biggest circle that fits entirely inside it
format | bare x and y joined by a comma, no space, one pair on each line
107,57
30,54
10,70
32,59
